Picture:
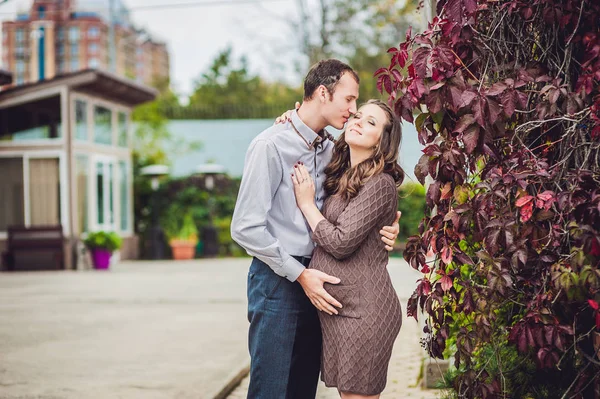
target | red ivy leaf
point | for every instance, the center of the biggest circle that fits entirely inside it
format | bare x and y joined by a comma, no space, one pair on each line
380,71
471,138
434,102
497,88
420,61
446,283
509,100
402,57
387,83
447,191
493,109
526,212
593,304
464,122
524,201
447,256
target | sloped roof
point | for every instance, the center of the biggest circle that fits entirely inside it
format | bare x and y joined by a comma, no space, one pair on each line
94,82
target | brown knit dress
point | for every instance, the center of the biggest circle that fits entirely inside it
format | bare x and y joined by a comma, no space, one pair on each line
357,343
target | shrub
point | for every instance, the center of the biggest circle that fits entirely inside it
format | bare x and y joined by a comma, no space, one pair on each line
412,205
507,106
109,241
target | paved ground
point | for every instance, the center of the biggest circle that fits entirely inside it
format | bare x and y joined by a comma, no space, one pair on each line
141,330
145,330
405,364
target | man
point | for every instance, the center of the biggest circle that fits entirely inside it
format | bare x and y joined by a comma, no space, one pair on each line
283,295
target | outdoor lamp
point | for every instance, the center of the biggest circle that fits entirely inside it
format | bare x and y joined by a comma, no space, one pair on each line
209,232
155,172
209,170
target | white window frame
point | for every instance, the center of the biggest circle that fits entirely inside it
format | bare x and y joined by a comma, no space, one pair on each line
106,225
115,108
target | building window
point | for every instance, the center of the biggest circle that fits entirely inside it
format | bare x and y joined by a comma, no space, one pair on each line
11,193
81,132
104,195
82,176
93,63
93,48
60,34
74,50
102,125
20,68
41,12
20,35
61,49
74,64
62,66
19,80
93,32
124,193
100,193
74,34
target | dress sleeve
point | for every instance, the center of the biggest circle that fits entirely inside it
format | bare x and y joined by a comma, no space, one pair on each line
376,202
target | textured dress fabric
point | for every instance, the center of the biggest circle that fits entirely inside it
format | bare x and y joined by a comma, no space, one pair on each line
357,343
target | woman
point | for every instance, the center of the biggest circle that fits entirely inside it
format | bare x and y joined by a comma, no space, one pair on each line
362,180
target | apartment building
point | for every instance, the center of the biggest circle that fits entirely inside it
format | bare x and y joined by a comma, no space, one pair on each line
62,36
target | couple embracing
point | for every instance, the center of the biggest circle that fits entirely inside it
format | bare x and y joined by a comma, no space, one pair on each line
319,217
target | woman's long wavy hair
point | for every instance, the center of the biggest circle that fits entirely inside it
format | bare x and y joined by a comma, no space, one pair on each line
345,180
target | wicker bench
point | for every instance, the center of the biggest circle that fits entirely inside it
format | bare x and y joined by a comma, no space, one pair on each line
34,248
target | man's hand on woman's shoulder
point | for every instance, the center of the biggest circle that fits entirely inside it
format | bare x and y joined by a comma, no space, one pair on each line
390,233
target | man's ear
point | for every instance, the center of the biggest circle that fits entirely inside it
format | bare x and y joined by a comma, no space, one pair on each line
322,94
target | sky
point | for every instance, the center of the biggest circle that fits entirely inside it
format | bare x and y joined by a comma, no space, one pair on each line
194,35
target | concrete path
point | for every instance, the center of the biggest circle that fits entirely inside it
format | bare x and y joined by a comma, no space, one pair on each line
405,364
148,330
141,330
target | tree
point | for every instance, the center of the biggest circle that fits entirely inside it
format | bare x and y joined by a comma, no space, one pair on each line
228,90
507,103
154,144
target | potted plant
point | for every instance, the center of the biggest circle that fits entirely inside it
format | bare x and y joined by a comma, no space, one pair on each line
102,244
181,232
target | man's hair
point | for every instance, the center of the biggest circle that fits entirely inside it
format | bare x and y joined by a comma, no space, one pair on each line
327,73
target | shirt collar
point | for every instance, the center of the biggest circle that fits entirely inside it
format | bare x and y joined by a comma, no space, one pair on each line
305,132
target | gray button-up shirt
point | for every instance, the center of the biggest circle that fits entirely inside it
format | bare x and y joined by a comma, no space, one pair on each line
266,222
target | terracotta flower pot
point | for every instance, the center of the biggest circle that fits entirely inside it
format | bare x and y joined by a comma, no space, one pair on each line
183,249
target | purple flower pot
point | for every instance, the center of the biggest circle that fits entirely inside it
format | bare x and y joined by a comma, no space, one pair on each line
101,258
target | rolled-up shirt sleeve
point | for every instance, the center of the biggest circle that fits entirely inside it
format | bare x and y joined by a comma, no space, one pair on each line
261,179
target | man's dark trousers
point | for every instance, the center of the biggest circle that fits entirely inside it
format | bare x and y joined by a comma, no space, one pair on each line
284,338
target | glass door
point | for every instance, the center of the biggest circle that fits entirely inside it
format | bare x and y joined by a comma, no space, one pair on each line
104,172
